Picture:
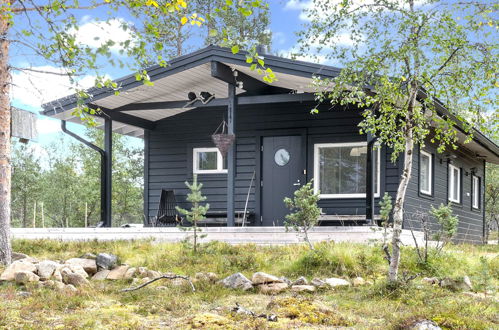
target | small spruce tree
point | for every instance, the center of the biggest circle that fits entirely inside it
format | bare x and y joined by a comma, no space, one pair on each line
306,212
197,211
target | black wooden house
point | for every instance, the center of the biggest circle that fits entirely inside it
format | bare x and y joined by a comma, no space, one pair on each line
279,145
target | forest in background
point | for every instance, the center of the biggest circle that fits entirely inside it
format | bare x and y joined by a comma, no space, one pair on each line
59,186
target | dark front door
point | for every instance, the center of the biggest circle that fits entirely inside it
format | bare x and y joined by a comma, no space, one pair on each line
282,172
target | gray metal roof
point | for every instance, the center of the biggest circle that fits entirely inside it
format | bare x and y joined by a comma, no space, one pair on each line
192,72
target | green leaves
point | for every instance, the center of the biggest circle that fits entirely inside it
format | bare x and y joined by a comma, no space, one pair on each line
235,49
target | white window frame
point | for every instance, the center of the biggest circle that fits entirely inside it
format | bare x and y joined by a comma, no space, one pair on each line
195,161
429,192
317,146
451,183
475,192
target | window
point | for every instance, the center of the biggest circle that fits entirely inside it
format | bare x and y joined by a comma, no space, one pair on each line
475,192
425,172
454,184
340,170
208,160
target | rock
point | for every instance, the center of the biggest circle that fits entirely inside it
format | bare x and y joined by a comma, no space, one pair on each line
57,276
430,280
74,279
118,273
70,288
237,281
262,278
424,325
102,275
106,260
130,273
285,280
46,269
59,285
18,256
24,294
303,288
89,265
212,277
153,274
272,288
207,277
467,282
454,284
318,283
78,270
335,282
24,277
89,255
300,281
17,266
48,283
358,281
142,272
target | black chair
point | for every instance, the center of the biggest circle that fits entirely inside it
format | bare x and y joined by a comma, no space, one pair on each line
167,212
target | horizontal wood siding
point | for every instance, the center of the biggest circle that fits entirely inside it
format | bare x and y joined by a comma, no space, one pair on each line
171,143
470,220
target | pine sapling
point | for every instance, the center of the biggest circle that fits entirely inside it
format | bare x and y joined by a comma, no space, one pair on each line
306,212
197,211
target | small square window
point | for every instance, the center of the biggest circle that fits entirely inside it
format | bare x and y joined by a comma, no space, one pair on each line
475,192
425,172
208,161
454,184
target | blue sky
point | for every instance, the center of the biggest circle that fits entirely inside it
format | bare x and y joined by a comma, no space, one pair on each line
30,90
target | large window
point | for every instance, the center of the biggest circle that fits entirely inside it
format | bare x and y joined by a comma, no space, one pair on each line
454,184
425,172
208,161
475,192
340,170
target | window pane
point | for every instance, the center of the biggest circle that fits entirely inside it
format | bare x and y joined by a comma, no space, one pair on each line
342,170
424,173
476,192
456,184
207,160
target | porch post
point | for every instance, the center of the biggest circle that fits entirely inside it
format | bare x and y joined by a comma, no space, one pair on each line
108,150
231,154
370,175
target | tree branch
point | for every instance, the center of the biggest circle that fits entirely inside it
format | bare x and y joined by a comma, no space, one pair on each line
166,276
24,9
454,52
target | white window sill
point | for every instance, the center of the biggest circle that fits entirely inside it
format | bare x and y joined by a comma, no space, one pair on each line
344,196
211,172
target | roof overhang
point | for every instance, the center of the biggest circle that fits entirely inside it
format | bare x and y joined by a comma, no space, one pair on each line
138,107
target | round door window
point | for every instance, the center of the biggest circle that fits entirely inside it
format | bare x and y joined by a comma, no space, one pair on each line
281,157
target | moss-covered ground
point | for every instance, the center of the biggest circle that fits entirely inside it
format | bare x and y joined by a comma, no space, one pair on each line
376,306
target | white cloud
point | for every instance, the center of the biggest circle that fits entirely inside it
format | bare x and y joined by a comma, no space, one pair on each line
95,33
44,84
278,38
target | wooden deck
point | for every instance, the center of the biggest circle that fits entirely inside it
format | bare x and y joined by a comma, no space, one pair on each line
231,235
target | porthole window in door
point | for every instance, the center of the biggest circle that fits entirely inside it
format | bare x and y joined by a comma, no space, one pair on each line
281,157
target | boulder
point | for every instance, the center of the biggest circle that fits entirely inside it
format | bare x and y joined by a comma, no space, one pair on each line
118,273
335,282
262,278
89,255
17,266
318,283
455,284
430,280
358,281
59,285
78,270
303,288
207,277
89,265
24,277
74,279
285,280
48,283
46,269
467,282
153,274
18,256
102,275
424,325
272,288
237,281
142,272
106,260
70,288
300,281
130,273
57,276
212,277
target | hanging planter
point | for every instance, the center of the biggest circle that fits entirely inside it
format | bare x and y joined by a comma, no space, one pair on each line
221,139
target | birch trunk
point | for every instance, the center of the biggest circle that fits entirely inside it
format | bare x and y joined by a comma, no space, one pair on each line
5,166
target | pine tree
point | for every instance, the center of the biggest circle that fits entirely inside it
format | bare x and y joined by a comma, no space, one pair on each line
197,211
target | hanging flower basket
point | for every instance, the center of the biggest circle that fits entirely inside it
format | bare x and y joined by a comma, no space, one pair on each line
222,140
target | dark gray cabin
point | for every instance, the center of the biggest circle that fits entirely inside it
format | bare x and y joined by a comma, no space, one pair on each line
279,145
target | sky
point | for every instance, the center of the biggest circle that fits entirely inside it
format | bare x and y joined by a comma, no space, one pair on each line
31,89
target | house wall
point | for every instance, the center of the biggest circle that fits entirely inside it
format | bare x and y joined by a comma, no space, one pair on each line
470,220
169,151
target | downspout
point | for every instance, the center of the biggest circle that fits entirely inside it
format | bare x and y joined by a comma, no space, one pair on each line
102,170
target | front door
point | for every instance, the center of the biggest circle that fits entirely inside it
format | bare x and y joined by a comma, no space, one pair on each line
282,172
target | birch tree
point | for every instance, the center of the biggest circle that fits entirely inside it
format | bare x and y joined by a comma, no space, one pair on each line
402,60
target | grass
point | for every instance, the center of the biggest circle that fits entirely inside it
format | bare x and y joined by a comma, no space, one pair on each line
368,307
